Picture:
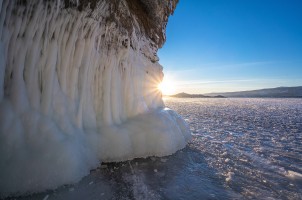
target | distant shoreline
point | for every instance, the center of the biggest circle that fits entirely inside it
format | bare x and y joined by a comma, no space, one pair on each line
215,97
186,95
279,92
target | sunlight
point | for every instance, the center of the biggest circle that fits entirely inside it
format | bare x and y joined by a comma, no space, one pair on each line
167,86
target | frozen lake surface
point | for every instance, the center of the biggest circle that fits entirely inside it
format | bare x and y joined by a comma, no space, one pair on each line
241,149
254,145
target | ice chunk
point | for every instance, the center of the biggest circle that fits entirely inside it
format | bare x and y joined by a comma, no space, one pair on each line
294,175
230,176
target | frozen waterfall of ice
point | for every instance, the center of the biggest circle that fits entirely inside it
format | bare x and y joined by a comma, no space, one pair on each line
75,92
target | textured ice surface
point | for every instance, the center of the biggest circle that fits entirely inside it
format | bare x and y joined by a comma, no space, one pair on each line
76,90
242,149
255,144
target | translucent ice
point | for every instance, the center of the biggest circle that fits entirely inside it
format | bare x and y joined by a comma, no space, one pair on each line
75,91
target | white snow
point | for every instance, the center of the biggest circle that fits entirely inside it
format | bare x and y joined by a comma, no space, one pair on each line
69,102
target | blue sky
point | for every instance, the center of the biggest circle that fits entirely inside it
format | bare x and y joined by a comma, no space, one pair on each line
231,45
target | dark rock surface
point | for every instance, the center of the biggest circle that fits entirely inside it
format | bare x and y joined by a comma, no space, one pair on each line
152,16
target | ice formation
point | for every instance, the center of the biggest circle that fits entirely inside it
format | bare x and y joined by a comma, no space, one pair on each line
77,89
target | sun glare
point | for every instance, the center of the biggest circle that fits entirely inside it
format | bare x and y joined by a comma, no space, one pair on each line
167,87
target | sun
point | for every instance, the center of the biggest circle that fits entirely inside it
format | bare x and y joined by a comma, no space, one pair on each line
167,87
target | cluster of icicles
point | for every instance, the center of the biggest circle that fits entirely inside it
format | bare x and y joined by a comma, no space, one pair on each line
74,93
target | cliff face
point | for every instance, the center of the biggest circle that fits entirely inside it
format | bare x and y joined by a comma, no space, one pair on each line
146,18
78,86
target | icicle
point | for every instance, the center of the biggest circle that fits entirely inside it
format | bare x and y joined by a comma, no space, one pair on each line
74,92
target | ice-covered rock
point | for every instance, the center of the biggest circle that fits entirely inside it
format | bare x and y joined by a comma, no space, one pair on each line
78,86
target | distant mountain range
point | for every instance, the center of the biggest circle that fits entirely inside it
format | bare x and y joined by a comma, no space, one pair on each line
279,92
186,95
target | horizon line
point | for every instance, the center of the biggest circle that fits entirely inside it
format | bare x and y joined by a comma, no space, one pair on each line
232,91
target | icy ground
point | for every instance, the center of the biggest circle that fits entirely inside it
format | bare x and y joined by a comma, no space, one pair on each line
242,149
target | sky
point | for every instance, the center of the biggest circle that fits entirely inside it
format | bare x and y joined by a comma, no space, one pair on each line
233,45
